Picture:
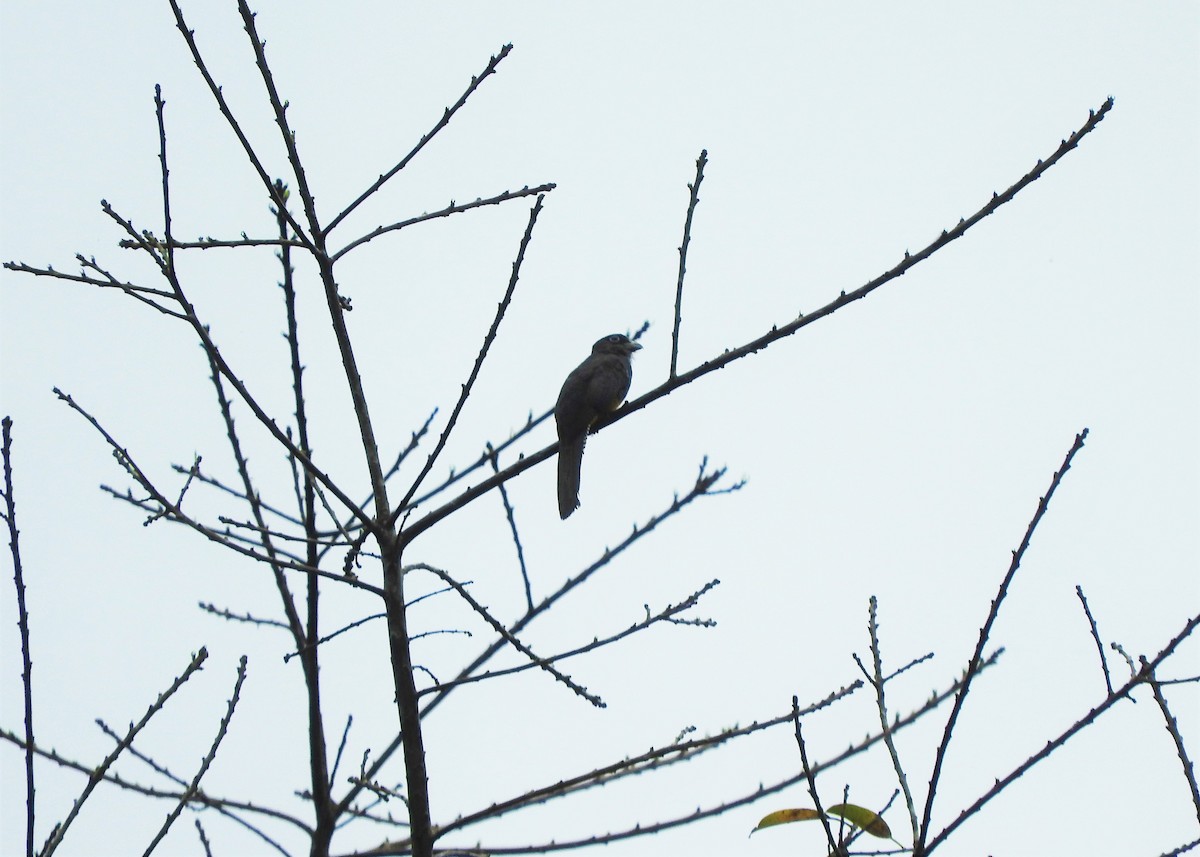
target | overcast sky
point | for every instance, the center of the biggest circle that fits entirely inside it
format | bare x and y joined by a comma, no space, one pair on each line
896,449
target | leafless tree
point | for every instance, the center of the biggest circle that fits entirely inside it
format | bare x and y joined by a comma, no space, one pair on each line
317,535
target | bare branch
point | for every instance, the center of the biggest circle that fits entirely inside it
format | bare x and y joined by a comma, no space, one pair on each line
246,617
705,485
451,209
693,199
512,526
349,526
279,107
282,536
488,339
126,461
140,293
762,791
325,639
984,633
10,517
484,458
507,636
1095,636
204,839
877,680
194,785
210,243
1172,727
1109,701
189,36
652,759
441,123
811,778
105,280
97,773
910,260
221,486
226,807
667,614
337,759
153,248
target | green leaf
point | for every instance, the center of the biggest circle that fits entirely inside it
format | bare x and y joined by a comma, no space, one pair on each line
862,817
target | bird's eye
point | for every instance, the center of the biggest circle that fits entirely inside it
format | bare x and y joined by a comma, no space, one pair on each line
616,337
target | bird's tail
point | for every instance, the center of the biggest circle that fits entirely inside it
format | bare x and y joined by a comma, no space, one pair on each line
570,458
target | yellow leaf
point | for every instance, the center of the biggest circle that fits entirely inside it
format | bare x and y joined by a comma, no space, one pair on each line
786,816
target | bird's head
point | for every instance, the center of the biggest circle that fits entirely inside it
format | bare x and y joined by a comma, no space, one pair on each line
616,343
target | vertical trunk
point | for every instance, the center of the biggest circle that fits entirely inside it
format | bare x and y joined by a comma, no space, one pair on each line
420,828
323,803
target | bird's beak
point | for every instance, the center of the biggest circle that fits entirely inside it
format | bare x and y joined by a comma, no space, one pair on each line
633,346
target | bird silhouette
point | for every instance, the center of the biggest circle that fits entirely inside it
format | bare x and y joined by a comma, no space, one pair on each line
595,387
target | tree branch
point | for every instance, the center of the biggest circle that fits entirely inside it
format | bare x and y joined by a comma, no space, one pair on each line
984,633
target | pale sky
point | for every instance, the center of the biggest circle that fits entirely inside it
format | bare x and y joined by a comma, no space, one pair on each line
896,449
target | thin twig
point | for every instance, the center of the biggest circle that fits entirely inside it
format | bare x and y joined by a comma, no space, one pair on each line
210,243
214,354
10,517
279,107
1172,727
1090,717
705,485
287,600
125,460
668,614
203,839
447,115
512,526
484,458
507,635
1095,636
451,209
337,759
229,809
914,662
139,293
877,681
97,773
307,492
221,486
909,261
324,544
413,443
653,759
488,339
194,785
972,665
325,639
762,791
693,199
189,36
1182,849
811,778
344,529
246,617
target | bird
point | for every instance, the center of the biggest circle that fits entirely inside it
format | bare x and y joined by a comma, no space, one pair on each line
595,387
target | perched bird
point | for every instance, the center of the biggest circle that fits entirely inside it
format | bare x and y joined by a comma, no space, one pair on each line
596,387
